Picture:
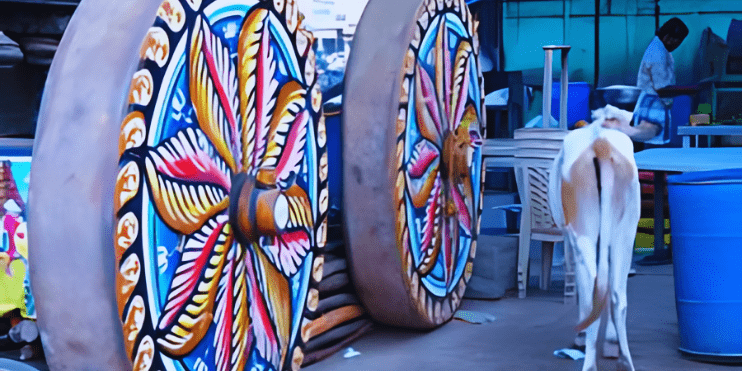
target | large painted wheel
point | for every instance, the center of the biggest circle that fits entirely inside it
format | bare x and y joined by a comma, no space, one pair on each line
413,126
216,214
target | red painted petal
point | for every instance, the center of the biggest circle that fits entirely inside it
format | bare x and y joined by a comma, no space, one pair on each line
232,321
429,99
181,158
464,215
293,152
432,214
262,325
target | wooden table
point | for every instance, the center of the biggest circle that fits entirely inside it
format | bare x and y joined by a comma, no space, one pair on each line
678,160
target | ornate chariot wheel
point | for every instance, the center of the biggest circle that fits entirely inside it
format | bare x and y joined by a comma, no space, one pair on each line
413,125
216,215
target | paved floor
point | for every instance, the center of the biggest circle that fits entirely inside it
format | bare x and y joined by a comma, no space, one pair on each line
525,334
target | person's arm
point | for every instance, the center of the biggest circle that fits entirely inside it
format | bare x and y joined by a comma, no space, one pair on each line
640,133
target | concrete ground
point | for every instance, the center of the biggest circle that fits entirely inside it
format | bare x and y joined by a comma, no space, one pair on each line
525,334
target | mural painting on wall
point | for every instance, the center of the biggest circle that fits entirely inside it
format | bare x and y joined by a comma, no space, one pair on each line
221,197
15,288
439,138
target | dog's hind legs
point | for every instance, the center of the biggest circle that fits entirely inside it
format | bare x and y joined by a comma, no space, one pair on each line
585,273
621,253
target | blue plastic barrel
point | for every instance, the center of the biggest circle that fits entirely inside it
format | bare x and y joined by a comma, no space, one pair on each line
578,102
706,224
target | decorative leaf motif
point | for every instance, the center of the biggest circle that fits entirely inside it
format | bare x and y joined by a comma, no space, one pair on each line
187,313
261,309
287,131
443,68
258,87
188,187
213,87
429,120
277,296
460,84
432,230
232,321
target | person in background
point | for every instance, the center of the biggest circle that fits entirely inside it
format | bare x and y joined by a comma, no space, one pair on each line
656,79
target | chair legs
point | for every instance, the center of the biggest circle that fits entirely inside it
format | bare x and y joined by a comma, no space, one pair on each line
524,246
547,255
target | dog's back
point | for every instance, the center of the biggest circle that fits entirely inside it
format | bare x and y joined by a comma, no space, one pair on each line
594,195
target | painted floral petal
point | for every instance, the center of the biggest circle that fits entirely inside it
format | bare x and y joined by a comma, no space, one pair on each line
431,234
293,242
188,187
231,317
443,68
459,198
187,313
426,107
262,306
288,130
422,172
213,88
258,87
450,251
460,84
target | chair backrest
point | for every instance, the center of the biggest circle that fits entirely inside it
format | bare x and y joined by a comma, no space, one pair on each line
536,150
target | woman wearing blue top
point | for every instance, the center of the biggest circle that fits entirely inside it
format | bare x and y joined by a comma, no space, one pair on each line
656,79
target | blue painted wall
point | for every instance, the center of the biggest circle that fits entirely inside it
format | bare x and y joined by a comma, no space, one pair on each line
626,28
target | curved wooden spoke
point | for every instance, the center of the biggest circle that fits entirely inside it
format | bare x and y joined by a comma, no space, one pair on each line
460,83
213,87
187,313
231,316
429,120
258,87
188,187
287,131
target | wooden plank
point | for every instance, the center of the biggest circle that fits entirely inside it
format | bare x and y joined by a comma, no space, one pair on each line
333,283
331,320
336,301
334,335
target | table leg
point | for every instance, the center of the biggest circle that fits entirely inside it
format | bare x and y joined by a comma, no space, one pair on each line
686,141
661,254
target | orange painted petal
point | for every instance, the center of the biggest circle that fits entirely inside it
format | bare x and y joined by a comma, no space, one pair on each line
257,86
261,309
443,68
187,313
460,84
232,321
276,292
213,88
187,186
287,130
426,107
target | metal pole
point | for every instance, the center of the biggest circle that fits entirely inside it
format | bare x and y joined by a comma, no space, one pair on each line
546,108
597,42
563,93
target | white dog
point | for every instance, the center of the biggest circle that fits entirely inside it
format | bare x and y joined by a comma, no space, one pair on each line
594,195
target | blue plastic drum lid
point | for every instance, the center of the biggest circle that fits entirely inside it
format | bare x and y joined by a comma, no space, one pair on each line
578,102
706,221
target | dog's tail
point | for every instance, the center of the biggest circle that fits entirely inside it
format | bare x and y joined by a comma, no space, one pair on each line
606,178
